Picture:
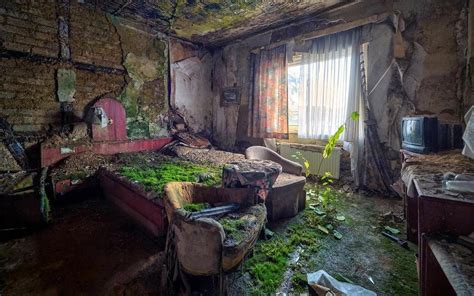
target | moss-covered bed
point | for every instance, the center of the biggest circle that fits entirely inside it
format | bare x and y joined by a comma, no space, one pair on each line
153,171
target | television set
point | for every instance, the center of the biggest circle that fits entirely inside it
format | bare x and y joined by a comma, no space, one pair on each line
420,134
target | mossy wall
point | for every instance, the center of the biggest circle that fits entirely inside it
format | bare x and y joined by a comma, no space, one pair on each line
201,17
94,55
145,96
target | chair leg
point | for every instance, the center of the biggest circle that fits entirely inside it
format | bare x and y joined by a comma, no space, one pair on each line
221,283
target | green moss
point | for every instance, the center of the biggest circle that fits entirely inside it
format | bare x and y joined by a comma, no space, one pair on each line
268,264
233,228
270,260
299,282
195,207
403,278
156,177
211,16
137,129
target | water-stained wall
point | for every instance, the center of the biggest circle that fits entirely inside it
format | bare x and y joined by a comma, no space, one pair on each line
191,84
416,65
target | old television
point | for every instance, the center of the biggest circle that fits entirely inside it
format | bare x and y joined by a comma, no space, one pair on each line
420,134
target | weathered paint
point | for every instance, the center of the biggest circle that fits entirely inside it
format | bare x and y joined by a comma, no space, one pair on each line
191,87
66,85
145,96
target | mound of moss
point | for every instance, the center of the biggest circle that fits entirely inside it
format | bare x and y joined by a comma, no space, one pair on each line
195,207
156,177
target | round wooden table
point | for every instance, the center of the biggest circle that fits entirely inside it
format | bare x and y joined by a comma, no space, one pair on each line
258,174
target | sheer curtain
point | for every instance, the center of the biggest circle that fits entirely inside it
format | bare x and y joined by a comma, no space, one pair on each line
331,91
330,85
268,108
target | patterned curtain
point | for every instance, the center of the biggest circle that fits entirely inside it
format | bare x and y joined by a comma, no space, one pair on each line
268,106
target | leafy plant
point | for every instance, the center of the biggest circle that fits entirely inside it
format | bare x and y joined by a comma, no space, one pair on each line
298,155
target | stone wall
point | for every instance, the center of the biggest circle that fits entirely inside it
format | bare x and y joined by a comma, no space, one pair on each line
101,56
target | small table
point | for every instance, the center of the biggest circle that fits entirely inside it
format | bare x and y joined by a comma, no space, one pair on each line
258,174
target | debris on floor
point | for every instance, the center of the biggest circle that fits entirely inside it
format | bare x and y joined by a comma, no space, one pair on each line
321,283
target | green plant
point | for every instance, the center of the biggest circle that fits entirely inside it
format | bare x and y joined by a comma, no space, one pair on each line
298,155
328,149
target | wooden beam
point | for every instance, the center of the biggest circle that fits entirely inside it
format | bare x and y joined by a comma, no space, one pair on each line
345,26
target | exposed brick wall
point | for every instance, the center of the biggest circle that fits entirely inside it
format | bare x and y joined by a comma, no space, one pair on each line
93,39
90,86
40,37
29,26
29,44
27,94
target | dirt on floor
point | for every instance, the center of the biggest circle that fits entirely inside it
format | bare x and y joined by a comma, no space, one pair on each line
363,256
89,249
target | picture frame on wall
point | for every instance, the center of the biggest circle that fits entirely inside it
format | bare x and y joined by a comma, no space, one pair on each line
230,96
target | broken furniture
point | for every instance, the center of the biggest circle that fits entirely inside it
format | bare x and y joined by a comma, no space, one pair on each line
287,197
432,210
23,201
7,136
107,122
202,246
446,266
257,174
141,206
108,125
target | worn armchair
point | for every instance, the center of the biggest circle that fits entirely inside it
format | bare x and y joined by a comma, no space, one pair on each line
287,197
203,246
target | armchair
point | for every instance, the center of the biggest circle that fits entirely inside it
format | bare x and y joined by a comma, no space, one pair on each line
287,196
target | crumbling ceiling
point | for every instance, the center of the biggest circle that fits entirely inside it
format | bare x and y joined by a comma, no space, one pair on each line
214,22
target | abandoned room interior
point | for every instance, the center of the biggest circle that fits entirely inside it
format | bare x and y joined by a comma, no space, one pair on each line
236,147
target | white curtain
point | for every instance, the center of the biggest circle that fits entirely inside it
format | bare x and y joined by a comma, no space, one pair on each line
331,90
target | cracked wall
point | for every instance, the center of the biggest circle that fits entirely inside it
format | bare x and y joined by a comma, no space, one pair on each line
38,40
428,79
145,58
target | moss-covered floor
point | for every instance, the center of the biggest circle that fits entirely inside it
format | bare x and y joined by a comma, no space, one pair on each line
362,255
89,240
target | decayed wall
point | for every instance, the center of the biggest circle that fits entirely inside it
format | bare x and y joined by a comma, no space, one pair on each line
429,79
191,84
105,55
232,68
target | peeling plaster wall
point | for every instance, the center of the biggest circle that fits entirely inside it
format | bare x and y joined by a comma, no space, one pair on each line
145,57
429,80
232,68
191,82
107,56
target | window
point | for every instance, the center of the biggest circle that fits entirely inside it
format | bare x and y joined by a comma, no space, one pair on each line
323,86
294,83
